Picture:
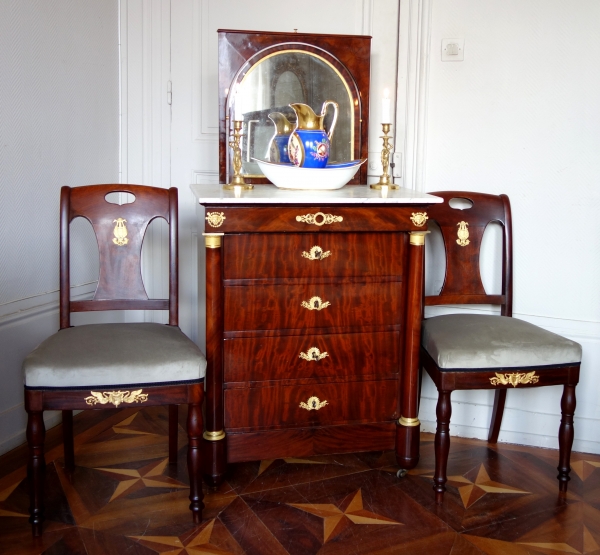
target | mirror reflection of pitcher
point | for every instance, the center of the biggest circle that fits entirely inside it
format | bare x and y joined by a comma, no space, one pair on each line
278,145
309,143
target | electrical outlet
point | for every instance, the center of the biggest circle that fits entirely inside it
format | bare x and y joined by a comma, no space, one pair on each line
453,50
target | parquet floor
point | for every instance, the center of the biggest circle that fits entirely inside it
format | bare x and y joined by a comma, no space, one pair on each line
124,498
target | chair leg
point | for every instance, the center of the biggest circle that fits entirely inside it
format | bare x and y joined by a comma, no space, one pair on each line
67,426
173,432
36,469
499,400
194,429
442,444
566,433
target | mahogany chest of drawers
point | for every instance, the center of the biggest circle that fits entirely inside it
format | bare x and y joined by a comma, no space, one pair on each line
313,323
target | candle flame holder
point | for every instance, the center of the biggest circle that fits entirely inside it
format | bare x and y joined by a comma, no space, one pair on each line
238,179
386,150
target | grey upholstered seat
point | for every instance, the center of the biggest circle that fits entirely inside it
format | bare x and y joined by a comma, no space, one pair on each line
114,354
486,341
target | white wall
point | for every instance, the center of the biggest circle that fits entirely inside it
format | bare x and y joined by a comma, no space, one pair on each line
59,92
193,64
520,115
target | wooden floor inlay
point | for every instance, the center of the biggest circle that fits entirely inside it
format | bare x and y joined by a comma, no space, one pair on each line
124,498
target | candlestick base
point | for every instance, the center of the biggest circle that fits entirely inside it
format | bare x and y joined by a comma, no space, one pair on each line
384,183
238,179
386,150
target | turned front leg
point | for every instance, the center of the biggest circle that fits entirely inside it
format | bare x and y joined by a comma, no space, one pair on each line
442,444
566,433
194,430
213,448
36,469
409,426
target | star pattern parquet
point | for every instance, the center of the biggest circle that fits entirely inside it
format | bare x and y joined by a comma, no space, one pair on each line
124,497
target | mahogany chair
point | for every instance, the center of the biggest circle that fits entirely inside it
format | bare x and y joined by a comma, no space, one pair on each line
100,366
472,351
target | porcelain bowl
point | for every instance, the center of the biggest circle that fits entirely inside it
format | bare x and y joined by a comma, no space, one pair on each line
288,176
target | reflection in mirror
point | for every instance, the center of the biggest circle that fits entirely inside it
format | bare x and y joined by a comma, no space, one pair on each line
270,86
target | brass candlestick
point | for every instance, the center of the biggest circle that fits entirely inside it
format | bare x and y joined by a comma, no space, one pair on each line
238,178
386,150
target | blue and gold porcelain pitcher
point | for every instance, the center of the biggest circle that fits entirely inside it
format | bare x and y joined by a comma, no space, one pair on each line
309,143
278,146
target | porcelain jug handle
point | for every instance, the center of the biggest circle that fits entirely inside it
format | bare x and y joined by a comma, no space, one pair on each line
335,116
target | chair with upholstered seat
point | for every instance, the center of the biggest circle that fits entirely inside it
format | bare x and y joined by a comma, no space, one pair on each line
99,366
481,351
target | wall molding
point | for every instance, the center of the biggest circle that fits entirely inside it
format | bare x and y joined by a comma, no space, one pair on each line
202,130
412,101
577,330
204,177
366,17
17,310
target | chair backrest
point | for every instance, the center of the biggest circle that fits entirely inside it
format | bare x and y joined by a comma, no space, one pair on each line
462,232
120,231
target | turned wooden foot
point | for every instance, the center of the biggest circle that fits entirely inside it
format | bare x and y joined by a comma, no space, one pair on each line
442,444
194,430
36,469
566,433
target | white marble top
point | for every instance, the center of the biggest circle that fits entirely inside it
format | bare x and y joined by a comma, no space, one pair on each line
349,194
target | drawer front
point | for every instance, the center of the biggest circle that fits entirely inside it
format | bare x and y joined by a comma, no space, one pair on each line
274,307
332,218
312,356
315,404
298,255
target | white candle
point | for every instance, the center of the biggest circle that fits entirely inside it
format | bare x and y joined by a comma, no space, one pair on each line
385,107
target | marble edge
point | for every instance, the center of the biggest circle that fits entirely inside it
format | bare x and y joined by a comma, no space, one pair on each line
350,194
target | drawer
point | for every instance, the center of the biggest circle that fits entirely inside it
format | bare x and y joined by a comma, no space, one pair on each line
364,355
315,404
302,219
279,255
275,307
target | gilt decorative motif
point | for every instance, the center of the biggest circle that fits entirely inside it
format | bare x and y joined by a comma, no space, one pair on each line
120,232
463,234
515,378
319,219
315,303
313,403
215,219
314,354
316,253
419,218
116,397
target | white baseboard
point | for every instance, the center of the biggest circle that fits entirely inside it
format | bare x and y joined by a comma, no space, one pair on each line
15,418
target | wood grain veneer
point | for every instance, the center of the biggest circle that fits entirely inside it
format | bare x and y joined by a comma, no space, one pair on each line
271,307
304,442
279,406
278,358
279,255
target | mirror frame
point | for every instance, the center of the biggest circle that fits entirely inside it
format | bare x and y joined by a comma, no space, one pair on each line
349,54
